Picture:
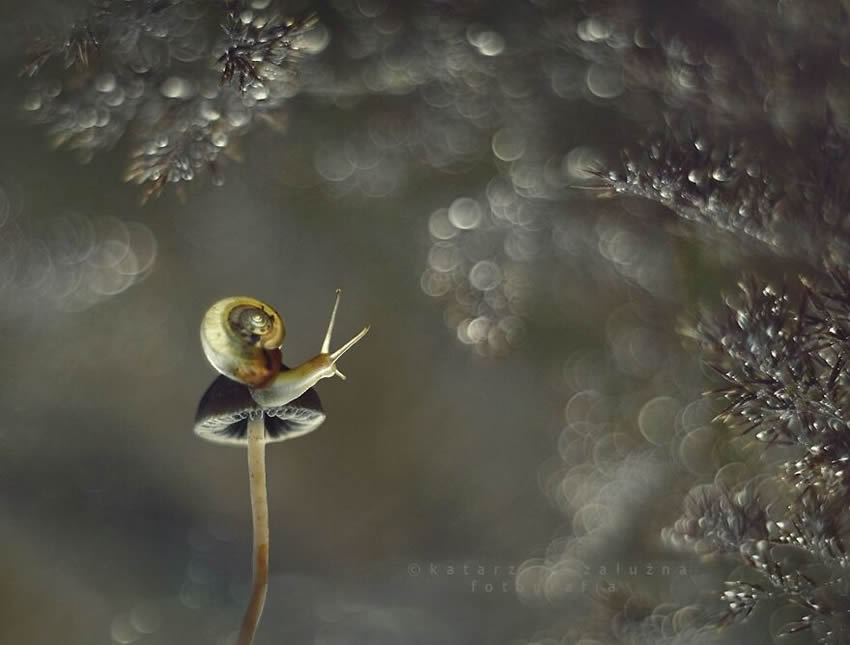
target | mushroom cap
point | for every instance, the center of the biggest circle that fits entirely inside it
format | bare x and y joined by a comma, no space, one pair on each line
226,406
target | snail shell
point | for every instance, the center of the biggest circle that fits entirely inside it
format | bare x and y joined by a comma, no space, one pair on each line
241,338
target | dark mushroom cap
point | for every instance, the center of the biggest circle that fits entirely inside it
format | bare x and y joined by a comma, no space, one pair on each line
226,406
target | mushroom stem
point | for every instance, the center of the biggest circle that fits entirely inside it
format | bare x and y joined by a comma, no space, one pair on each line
260,517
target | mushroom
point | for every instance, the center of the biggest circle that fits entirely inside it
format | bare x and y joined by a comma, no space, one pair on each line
258,400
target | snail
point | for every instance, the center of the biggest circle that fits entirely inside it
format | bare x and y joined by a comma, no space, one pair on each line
256,400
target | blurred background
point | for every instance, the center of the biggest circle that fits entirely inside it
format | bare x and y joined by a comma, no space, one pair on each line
522,421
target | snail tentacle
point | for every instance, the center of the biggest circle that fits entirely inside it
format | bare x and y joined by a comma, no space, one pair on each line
288,385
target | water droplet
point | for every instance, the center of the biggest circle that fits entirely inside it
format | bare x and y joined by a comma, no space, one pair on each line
465,213
485,275
604,81
175,87
508,144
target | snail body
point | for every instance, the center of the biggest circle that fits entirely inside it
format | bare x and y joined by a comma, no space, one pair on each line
241,338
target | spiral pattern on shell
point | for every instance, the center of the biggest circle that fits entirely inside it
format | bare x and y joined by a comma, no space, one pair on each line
241,338
256,326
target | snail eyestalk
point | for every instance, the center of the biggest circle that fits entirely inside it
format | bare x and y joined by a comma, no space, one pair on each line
334,356
289,384
326,345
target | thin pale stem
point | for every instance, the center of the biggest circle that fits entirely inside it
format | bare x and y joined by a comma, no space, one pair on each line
335,355
326,345
260,517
